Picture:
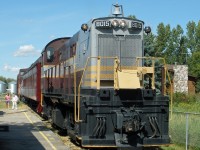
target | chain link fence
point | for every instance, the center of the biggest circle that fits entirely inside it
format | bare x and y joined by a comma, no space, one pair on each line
185,129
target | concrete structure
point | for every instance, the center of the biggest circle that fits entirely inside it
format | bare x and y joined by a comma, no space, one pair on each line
180,78
12,87
2,87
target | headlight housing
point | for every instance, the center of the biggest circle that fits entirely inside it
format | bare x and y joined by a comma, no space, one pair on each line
115,23
123,24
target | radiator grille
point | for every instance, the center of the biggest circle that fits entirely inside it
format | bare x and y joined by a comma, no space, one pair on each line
126,48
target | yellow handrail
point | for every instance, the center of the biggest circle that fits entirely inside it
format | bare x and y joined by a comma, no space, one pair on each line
77,117
166,72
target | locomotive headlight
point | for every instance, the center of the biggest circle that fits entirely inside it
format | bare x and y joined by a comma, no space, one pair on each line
115,23
122,23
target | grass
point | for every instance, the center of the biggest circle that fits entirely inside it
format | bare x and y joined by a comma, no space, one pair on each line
174,147
177,125
178,130
186,103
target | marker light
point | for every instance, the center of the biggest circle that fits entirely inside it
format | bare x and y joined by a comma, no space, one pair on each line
147,29
84,27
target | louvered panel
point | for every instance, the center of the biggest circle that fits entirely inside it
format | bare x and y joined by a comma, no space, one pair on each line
126,48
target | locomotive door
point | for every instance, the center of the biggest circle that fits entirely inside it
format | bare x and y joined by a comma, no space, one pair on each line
50,80
67,80
46,81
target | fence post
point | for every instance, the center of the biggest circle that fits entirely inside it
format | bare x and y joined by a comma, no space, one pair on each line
186,135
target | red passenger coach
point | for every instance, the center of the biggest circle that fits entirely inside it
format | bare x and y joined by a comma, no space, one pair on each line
43,76
52,68
20,81
31,85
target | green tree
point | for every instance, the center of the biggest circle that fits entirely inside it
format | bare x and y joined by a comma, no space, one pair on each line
176,49
6,80
193,45
194,68
194,64
149,44
162,39
197,36
193,36
3,79
190,35
132,16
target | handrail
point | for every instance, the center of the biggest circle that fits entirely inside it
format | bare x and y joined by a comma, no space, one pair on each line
166,72
41,100
77,118
74,65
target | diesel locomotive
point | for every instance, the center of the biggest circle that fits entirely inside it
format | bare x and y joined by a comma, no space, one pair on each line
95,86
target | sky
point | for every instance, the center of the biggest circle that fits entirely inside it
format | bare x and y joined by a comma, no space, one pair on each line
26,26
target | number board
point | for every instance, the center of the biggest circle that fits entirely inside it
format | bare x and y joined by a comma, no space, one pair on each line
136,25
103,24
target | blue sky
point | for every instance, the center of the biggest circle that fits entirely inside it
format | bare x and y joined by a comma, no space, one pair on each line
26,26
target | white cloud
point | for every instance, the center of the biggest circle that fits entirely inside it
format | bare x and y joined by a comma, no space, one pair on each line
52,37
27,50
10,68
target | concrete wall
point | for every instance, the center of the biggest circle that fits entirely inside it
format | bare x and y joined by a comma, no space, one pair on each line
180,78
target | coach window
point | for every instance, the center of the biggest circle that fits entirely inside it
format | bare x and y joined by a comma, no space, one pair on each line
50,54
